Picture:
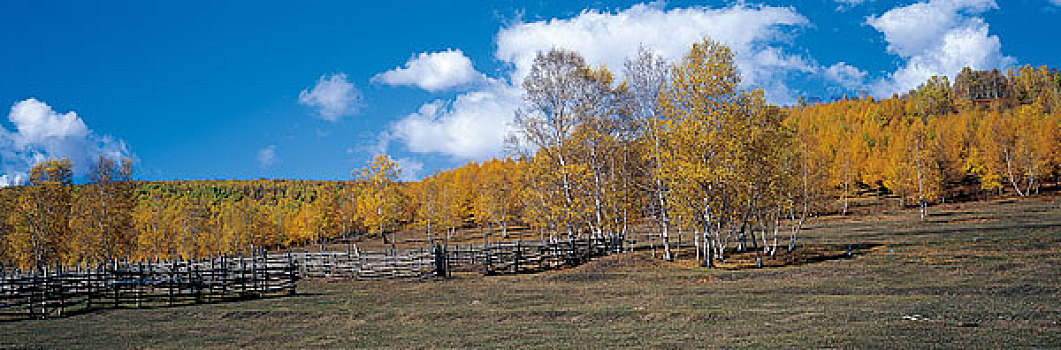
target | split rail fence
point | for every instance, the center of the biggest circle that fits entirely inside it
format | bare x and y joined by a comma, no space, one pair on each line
62,291
443,260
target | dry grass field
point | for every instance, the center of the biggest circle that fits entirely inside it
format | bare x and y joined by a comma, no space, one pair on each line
976,275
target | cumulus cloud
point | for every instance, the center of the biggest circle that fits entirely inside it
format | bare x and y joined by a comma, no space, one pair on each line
41,133
845,75
474,124
1055,2
435,71
333,97
938,37
267,156
608,38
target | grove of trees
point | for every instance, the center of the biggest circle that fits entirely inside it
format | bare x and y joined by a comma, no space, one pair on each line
679,149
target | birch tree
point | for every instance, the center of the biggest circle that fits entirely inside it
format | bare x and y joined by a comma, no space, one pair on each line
647,76
103,220
554,91
40,221
379,201
701,112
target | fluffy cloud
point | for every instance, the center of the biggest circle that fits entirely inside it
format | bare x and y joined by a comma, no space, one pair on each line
333,97
845,75
607,38
267,156
41,133
1055,2
474,125
433,71
938,37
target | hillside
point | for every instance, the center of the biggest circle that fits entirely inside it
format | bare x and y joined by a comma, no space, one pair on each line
975,275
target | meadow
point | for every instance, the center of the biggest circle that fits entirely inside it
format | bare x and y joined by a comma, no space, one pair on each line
975,275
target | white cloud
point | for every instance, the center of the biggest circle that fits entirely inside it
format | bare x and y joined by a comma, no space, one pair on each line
754,33
938,37
12,180
474,125
916,28
471,127
1055,2
41,133
410,169
435,71
844,5
267,156
845,75
36,122
334,97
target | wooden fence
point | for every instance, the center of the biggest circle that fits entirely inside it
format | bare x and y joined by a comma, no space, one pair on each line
523,257
402,264
442,260
61,291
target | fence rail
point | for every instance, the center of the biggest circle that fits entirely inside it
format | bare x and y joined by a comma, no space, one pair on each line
60,291
442,260
367,265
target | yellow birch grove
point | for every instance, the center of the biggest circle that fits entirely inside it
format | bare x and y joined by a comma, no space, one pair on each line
39,221
102,226
380,199
677,150
729,159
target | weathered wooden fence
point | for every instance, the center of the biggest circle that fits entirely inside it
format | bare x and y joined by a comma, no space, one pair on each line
59,291
522,257
367,264
442,260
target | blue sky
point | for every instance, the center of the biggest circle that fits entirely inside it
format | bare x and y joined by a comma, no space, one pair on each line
312,89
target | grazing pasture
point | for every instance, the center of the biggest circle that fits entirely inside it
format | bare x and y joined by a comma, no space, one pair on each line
974,275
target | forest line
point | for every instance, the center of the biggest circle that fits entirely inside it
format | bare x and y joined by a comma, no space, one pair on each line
675,146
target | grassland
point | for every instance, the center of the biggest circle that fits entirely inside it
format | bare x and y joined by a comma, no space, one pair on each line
976,275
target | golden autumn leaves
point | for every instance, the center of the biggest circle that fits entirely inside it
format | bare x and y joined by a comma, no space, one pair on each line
49,222
675,148
934,143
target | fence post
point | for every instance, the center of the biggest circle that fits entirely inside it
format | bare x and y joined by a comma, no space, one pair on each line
114,283
139,284
254,270
291,275
574,253
36,294
172,280
196,279
43,286
242,277
88,287
61,287
486,260
440,268
517,256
